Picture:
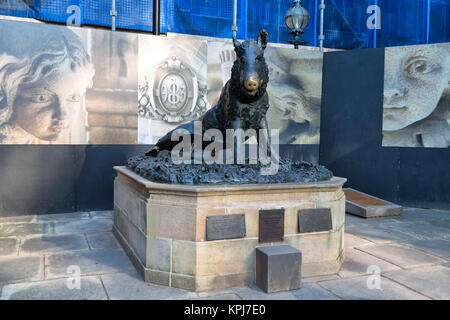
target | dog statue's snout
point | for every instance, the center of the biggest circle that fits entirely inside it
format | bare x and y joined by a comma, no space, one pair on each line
252,82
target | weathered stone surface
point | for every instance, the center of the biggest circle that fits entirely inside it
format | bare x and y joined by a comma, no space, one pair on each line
90,289
221,258
309,291
21,269
438,247
84,225
101,214
176,217
8,246
357,263
278,268
129,286
56,243
225,227
380,234
90,262
26,229
131,204
357,289
320,278
172,222
18,219
353,241
405,257
159,253
314,220
102,240
433,282
224,296
62,216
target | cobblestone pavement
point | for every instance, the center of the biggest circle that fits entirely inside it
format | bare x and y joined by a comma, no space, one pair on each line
395,258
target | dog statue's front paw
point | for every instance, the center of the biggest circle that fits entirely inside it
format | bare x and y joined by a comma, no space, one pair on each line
153,152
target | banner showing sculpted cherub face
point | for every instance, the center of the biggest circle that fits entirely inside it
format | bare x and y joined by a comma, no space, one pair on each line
416,99
44,74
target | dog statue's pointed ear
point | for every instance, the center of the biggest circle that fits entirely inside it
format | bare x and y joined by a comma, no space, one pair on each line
262,39
237,46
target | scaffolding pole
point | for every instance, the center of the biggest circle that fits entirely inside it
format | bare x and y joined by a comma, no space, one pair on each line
321,35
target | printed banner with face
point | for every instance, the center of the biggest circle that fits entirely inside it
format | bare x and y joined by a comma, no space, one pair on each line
416,99
61,85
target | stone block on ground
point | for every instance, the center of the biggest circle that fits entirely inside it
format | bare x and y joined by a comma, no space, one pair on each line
278,268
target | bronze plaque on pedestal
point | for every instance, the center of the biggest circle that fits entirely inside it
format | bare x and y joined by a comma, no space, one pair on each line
271,225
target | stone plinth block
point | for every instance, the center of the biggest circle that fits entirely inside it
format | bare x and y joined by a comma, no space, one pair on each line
361,204
278,268
164,229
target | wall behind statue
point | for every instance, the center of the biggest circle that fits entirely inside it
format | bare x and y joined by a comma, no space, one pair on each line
74,102
352,130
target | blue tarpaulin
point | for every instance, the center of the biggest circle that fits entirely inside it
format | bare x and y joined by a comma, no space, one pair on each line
348,23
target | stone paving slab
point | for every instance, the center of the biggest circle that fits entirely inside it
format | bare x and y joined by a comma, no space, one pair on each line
57,243
18,219
26,229
438,247
90,262
131,286
91,288
84,225
320,278
101,214
423,230
9,246
357,289
308,291
433,282
358,263
225,296
102,240
381,234
20,269
63,216
403,256
351,241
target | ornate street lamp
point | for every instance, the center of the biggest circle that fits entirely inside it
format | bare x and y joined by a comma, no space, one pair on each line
296,20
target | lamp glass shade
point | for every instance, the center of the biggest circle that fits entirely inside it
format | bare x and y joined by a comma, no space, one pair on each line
297,17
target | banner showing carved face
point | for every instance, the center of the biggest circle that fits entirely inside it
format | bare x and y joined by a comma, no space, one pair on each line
172,84
61,85
416,98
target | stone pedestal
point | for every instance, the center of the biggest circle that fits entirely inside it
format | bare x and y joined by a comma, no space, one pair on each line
163,229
